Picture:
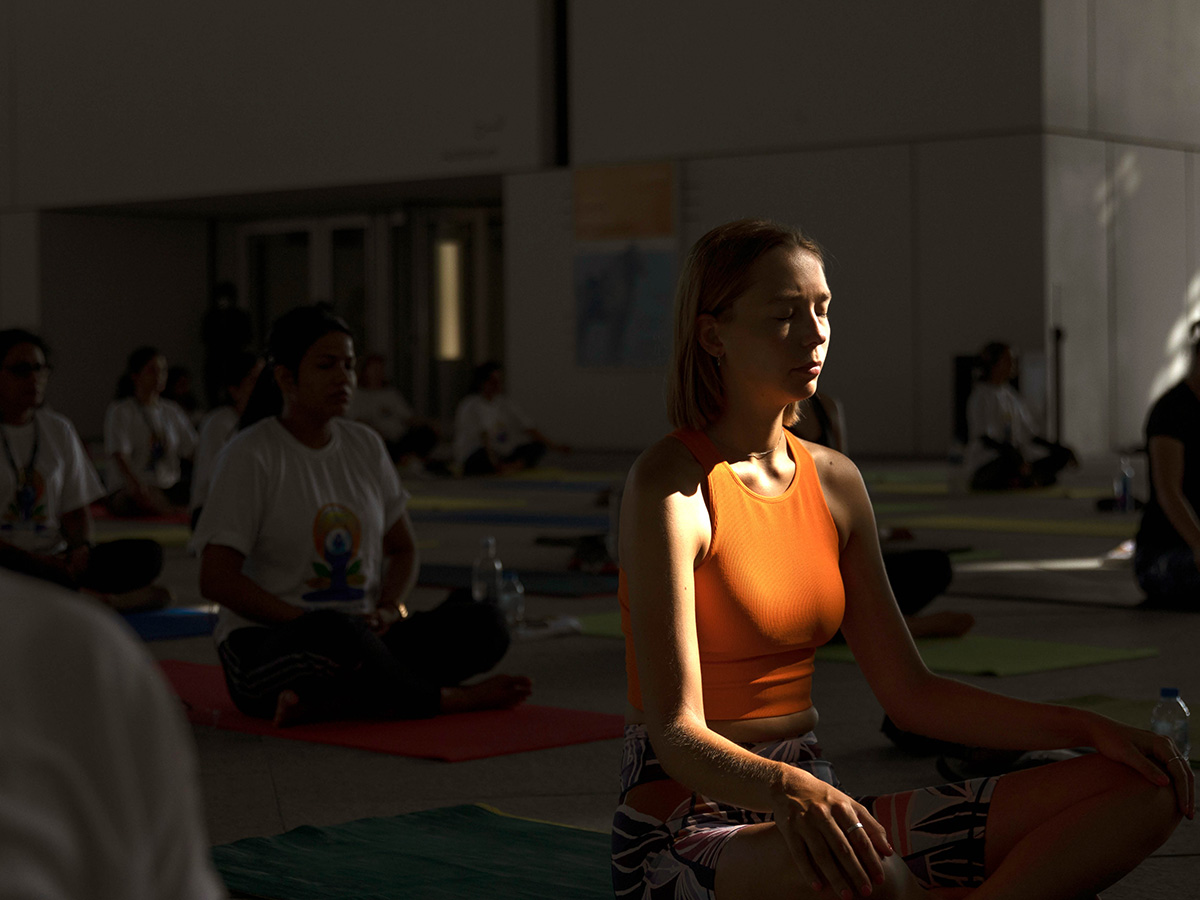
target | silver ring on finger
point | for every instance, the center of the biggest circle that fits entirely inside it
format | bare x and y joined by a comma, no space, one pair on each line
855,826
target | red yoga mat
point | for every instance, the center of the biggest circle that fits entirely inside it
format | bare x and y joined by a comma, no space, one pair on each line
462,736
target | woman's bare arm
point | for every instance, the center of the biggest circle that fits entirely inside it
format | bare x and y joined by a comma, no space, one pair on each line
222,581
932,705
400,569
1166,465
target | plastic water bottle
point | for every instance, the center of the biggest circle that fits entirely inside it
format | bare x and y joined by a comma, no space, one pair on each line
486,573
1170,717
1123,487
512,599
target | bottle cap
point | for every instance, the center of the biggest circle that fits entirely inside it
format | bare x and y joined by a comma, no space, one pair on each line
1169,693
488,545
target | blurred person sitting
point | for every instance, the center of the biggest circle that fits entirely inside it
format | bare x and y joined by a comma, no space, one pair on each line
46,524
1167,559
179,390
99,796
380,406
145,437
241,372
1004,450
492,434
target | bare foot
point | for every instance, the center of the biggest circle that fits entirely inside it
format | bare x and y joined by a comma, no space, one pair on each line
946,623
152,596
288,710
497,692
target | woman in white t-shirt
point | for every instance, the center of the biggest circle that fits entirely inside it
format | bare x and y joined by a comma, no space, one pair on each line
1004,450
492,434
378,404
306,544
238,379
146,437
47,484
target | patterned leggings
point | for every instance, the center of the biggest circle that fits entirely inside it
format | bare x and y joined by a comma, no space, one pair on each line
666,839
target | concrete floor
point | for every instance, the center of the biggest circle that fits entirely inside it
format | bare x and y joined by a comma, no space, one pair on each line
261,786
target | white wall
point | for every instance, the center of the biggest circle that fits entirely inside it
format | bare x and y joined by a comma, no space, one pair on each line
1078,216
587,407
1150,280
1065,65
7,145
110,284
1147,57
927,261
683,78
20,270
145,100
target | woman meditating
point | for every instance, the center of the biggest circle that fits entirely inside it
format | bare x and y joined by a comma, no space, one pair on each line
146,437
47,484
306,544
724,790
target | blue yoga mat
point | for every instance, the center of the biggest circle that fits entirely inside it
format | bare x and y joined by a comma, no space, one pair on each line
161,624
550,584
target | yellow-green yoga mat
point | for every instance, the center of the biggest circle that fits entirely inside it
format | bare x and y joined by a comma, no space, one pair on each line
972,654
1130,712
431,503
167,535
601,624
553,474
1115,527
977,654
439,854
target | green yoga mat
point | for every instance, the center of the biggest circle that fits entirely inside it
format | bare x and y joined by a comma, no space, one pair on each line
1130,712
439,503
452,853
975,654
1115,528
602,624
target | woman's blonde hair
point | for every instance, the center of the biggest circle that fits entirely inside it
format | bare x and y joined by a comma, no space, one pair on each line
715,274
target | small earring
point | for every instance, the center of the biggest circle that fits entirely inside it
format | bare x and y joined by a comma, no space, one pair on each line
718,359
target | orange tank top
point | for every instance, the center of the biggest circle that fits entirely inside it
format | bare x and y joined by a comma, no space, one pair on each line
768,592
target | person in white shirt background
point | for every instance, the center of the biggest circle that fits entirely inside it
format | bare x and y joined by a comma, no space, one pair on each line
376,403
1004,449
146,437
241,372
306,543
47,484
492,434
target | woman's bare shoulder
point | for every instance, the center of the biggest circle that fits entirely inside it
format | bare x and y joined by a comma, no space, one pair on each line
665,467
840,479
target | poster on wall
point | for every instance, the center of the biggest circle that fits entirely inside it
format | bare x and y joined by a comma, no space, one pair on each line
625,259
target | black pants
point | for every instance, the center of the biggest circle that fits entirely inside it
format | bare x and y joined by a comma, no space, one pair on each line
418,441
114,567
340,668
1005,471
479,463
917,576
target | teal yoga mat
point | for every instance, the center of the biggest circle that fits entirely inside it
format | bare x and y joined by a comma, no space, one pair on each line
976,654
453,853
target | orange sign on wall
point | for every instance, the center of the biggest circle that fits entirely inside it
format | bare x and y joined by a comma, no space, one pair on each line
623,202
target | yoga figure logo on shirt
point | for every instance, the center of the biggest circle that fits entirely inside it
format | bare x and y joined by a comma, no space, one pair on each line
336,536
26,506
